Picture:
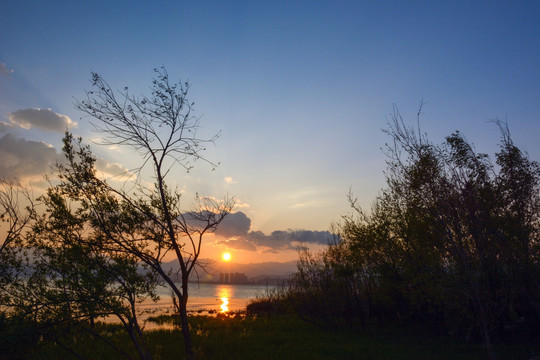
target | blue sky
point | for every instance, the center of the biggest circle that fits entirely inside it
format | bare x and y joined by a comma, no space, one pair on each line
299,89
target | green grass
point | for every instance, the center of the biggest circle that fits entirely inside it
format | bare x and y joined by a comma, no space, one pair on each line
287,337
290,338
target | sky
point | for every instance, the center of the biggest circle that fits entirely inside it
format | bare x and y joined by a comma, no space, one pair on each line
300,90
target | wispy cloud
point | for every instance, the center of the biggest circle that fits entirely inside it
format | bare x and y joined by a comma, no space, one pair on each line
239,244
229,180
5,127
112,169
44,119
239,204
4,70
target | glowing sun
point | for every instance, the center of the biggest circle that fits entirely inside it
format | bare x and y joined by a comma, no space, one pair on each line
226,256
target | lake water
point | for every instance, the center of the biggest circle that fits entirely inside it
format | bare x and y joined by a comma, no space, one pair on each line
204,299
210,298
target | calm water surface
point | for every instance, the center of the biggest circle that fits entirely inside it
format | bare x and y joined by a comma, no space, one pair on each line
204,299
213,298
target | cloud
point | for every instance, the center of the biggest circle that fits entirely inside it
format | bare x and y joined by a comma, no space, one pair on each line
277,240
284,239
4,70
234,225
109,168
44,119
23,158
239,244
20,158
236,228
5,127
229,180
310,237
239,204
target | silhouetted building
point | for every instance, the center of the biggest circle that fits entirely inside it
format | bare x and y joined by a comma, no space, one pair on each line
233,278
224,278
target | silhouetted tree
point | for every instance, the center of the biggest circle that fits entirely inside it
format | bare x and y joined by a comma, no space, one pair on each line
79,277
452,241
163,131
16,205
57,275
16,209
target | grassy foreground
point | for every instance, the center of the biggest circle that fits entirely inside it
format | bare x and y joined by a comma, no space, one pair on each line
284,337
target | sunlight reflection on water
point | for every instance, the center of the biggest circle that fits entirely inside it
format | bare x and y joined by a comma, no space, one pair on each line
209,297
224,305
225,293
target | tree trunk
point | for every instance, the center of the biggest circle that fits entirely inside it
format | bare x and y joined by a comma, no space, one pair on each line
482,320
188,344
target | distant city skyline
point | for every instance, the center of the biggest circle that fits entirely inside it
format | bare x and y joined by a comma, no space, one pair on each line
299,90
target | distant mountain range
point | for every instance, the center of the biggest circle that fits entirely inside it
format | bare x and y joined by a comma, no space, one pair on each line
252,270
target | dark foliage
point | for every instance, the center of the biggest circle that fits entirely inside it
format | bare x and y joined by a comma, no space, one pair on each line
451,245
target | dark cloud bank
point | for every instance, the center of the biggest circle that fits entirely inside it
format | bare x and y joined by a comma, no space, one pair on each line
21,158
236,229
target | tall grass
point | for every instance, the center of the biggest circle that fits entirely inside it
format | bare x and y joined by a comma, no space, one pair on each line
282,337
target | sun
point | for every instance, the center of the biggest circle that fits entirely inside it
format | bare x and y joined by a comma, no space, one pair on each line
226,256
